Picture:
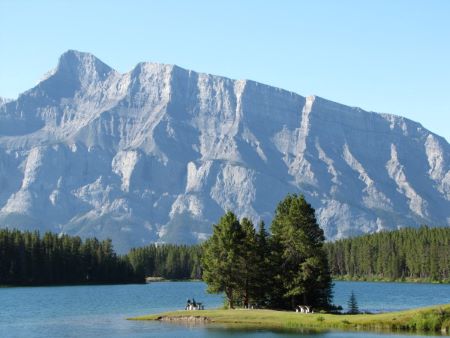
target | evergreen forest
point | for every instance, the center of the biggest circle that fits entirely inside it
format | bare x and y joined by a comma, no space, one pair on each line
421,254
168,261
26,258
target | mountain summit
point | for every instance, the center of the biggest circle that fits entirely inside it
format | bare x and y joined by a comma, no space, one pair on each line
159,153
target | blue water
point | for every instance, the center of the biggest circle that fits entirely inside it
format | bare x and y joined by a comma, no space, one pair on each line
100,311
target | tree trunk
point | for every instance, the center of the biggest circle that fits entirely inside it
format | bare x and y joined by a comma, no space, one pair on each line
246,295
229,293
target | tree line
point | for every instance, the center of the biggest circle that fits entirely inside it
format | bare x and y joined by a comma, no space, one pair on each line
258,260
169,261
27,258
409,253
281,270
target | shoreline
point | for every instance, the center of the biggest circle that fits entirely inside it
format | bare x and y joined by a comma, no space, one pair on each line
38,285
162,279
432,319
388,280
149,280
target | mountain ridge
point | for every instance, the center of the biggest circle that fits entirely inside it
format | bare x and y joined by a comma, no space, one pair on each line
159,152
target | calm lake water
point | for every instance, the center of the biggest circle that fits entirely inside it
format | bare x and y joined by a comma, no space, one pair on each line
100,311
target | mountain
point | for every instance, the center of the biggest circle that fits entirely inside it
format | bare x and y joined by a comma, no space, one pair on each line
3,100
158,154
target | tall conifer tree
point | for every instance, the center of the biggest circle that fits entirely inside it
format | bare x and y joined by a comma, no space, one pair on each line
221,270
303,276
264,266
248,263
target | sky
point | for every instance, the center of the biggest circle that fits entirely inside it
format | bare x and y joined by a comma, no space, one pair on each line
383,56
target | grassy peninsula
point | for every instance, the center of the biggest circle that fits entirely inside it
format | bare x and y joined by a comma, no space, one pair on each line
427,319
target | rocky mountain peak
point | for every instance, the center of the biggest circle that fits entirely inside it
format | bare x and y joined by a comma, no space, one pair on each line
160,152
79,63
76,71
4,100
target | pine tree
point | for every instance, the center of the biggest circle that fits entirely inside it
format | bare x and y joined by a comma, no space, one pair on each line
352,304
264,267
303,275
248,263
221,255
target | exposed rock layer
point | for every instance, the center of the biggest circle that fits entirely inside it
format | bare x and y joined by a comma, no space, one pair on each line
158,154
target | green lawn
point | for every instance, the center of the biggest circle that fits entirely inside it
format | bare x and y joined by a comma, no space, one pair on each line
431,319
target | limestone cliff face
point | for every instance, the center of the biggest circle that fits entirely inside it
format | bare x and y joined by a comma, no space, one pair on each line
158,154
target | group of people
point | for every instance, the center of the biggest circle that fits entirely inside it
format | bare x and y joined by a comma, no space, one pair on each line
193,305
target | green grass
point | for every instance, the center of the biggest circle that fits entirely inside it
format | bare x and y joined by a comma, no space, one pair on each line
429,319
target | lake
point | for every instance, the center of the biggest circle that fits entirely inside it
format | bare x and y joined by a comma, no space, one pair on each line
100,311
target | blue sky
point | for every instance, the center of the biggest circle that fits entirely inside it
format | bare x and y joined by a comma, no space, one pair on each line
384,56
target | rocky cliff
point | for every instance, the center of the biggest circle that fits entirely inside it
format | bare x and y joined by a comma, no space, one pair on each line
158,154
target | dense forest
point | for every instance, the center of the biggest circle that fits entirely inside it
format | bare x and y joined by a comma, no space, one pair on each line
406,254
168,261
26,258
421,254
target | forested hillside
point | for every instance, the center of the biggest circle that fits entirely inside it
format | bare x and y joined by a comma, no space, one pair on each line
421,254
167,261
27,258
408,253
